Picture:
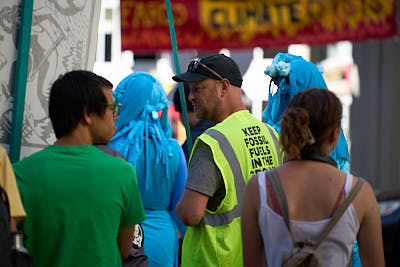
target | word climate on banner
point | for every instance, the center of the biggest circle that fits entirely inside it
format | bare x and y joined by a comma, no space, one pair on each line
216,24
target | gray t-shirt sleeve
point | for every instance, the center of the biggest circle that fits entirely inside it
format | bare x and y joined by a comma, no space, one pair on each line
204,175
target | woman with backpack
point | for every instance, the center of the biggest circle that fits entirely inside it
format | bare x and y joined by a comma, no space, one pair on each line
308,194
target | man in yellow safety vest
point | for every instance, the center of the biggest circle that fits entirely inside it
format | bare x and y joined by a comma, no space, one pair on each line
222,161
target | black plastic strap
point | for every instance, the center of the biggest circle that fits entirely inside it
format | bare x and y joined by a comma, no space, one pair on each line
4,198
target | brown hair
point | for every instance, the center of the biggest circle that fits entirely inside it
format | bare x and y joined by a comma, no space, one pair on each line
310,114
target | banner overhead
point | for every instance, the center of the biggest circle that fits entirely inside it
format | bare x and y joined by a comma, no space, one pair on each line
216,24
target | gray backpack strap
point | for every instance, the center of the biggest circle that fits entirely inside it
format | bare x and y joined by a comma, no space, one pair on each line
282,202
281,198
340,211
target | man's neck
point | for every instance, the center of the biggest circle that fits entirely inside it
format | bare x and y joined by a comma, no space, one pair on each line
228,112
77,137
231,103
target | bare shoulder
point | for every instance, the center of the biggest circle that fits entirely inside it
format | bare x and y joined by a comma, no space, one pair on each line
366,190
253,182
252,196
365,201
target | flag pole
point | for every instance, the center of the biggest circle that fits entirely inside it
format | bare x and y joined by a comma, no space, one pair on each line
178,70
20,78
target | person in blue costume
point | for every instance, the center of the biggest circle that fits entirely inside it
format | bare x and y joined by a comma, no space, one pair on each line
292,74
143,138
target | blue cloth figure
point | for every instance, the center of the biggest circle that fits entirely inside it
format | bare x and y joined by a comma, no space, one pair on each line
143,138
292,74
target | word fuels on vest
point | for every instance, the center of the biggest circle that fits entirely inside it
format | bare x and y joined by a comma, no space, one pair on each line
258,149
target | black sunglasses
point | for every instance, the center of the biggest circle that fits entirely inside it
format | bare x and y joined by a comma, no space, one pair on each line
195,63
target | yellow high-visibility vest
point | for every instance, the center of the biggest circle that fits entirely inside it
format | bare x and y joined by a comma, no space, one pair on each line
241,146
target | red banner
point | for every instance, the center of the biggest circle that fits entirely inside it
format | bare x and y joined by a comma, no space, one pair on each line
216,24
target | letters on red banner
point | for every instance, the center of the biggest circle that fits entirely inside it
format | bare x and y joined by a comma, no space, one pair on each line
212,25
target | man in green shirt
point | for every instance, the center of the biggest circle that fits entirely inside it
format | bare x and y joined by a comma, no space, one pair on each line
81,203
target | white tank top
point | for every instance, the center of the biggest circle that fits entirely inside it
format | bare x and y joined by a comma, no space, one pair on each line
335,250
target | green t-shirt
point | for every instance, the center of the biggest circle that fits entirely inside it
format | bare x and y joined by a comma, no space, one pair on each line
76,198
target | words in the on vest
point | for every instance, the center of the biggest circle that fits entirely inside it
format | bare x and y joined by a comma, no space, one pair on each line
258,149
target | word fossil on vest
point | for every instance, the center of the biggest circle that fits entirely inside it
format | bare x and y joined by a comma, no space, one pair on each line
258,148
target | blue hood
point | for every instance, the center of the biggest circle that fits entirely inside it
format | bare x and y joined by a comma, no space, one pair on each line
141,97
292,74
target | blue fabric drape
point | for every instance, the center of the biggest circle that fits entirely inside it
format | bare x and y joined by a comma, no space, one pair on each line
141,97
292,74
143,139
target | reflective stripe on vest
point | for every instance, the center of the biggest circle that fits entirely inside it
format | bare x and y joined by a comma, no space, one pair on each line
227,217
278,149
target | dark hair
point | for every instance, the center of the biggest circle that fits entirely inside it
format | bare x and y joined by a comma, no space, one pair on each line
71,94
177,99
312,113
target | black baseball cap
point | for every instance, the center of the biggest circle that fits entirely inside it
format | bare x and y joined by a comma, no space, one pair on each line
224,66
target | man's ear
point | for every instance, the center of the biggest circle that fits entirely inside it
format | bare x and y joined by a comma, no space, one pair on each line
87,118
224,86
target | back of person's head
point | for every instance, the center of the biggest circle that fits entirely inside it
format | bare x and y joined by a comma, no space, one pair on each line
71,95
309,120
291,74
141,96
177,99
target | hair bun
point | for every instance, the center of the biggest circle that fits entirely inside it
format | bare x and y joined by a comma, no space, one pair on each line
295,133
